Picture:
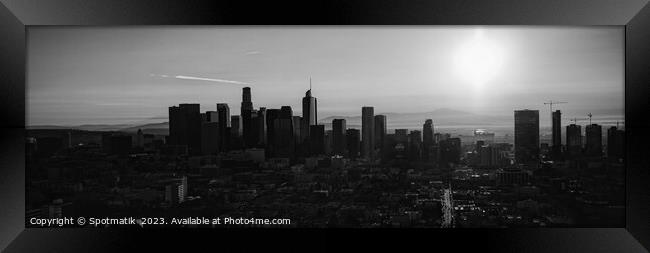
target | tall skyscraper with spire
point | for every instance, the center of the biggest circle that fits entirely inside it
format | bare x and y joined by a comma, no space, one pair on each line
309,113
246,118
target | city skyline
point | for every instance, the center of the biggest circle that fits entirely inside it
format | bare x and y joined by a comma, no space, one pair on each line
243,137
58,99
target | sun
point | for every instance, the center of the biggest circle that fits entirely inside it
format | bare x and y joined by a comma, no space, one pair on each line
479,60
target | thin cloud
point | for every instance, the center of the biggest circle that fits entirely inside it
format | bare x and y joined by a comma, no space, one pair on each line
195,78
253,52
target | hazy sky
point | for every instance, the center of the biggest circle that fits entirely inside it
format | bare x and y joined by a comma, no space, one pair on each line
119,75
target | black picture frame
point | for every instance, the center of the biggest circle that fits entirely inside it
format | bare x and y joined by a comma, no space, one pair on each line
16,15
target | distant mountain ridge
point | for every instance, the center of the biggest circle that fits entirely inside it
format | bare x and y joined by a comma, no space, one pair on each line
441,117
442,112
161,125
85,127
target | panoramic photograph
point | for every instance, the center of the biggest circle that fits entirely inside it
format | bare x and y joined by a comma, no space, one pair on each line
325,127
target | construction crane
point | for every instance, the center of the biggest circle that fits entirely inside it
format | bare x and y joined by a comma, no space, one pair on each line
550,104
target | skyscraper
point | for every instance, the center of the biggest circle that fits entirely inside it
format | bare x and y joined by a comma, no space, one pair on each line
260,125
526,136
594,138
338,135
177,130
246,117
223,112
301,145
353,142
309,112
235,141
254,138
573,140
185,126
557,134
427,132
427,142
283,127
415,145
271,116
367,131
235,125
380,131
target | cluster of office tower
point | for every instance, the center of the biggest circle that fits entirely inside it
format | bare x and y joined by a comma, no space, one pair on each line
282,134
577,145
278,131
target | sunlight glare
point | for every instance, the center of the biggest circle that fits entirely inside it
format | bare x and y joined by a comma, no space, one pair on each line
479,60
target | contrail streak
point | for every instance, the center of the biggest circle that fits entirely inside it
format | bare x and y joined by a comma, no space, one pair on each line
203,79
